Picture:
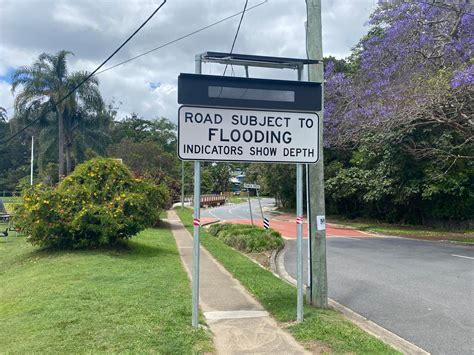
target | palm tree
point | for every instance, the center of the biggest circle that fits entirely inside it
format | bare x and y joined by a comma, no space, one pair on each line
3,115
44,84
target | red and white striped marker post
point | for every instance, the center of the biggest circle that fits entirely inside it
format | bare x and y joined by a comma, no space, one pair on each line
299,220
196,222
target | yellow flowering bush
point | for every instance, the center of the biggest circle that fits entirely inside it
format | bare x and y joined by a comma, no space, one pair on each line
100,203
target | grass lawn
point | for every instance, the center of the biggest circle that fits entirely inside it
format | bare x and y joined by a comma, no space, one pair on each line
279,298
132,299
239,199
419,232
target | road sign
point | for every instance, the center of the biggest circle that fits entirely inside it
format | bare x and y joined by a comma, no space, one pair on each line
251,186
232,91
236,134
228,119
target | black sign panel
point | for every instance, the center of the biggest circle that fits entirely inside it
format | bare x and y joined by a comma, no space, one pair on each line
226,91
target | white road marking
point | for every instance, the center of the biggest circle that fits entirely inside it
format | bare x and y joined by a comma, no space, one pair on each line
239,211
462,256
238,214
213,215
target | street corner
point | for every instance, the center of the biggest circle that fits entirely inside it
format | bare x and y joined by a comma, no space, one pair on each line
208,220
342,231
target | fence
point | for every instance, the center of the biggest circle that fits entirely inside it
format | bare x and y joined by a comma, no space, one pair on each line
5,193
208,200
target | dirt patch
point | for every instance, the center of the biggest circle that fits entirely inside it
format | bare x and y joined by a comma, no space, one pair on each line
262,258
317,348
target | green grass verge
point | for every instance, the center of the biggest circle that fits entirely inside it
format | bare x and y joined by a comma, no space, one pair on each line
279,298
239,199
247,238
134,299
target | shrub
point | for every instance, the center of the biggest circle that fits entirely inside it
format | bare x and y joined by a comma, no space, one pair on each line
100,203
247,238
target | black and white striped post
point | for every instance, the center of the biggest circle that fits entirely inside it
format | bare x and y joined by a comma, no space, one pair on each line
266,223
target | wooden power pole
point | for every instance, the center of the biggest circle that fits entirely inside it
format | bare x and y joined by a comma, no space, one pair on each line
319,284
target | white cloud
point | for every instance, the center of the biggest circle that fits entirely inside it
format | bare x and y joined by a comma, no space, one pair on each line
72,16
92,29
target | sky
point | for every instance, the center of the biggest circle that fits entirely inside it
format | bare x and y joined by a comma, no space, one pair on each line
93,29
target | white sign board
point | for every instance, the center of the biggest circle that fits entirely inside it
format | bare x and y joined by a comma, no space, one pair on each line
251,186
321,222
228,134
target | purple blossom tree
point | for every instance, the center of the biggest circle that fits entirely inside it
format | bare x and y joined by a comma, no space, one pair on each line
414,70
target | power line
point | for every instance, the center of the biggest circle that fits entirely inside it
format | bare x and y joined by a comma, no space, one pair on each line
182,37
91,74
237,33
175,40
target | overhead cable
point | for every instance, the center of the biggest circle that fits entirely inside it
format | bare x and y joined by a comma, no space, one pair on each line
90,75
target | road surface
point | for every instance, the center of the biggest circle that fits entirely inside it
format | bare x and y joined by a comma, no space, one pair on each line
237,211
422,291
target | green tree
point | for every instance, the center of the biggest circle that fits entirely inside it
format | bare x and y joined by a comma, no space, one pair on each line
43,85
220,174
160,130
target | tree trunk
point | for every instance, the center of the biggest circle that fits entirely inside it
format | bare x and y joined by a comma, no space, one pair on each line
68,158
60,143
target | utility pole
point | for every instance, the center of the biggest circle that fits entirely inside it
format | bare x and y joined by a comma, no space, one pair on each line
32,158
319,284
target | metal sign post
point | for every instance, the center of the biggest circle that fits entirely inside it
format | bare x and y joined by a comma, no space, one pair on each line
299,242
197,225
32,158
182,184
299,234
308,242
259,203
256,187
250,206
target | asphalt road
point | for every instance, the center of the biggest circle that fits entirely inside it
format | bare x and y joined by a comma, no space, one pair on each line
237,211
422,291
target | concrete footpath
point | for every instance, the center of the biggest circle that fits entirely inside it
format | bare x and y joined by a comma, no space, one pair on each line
239,323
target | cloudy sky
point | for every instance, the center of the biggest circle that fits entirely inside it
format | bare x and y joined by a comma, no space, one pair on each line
92,29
